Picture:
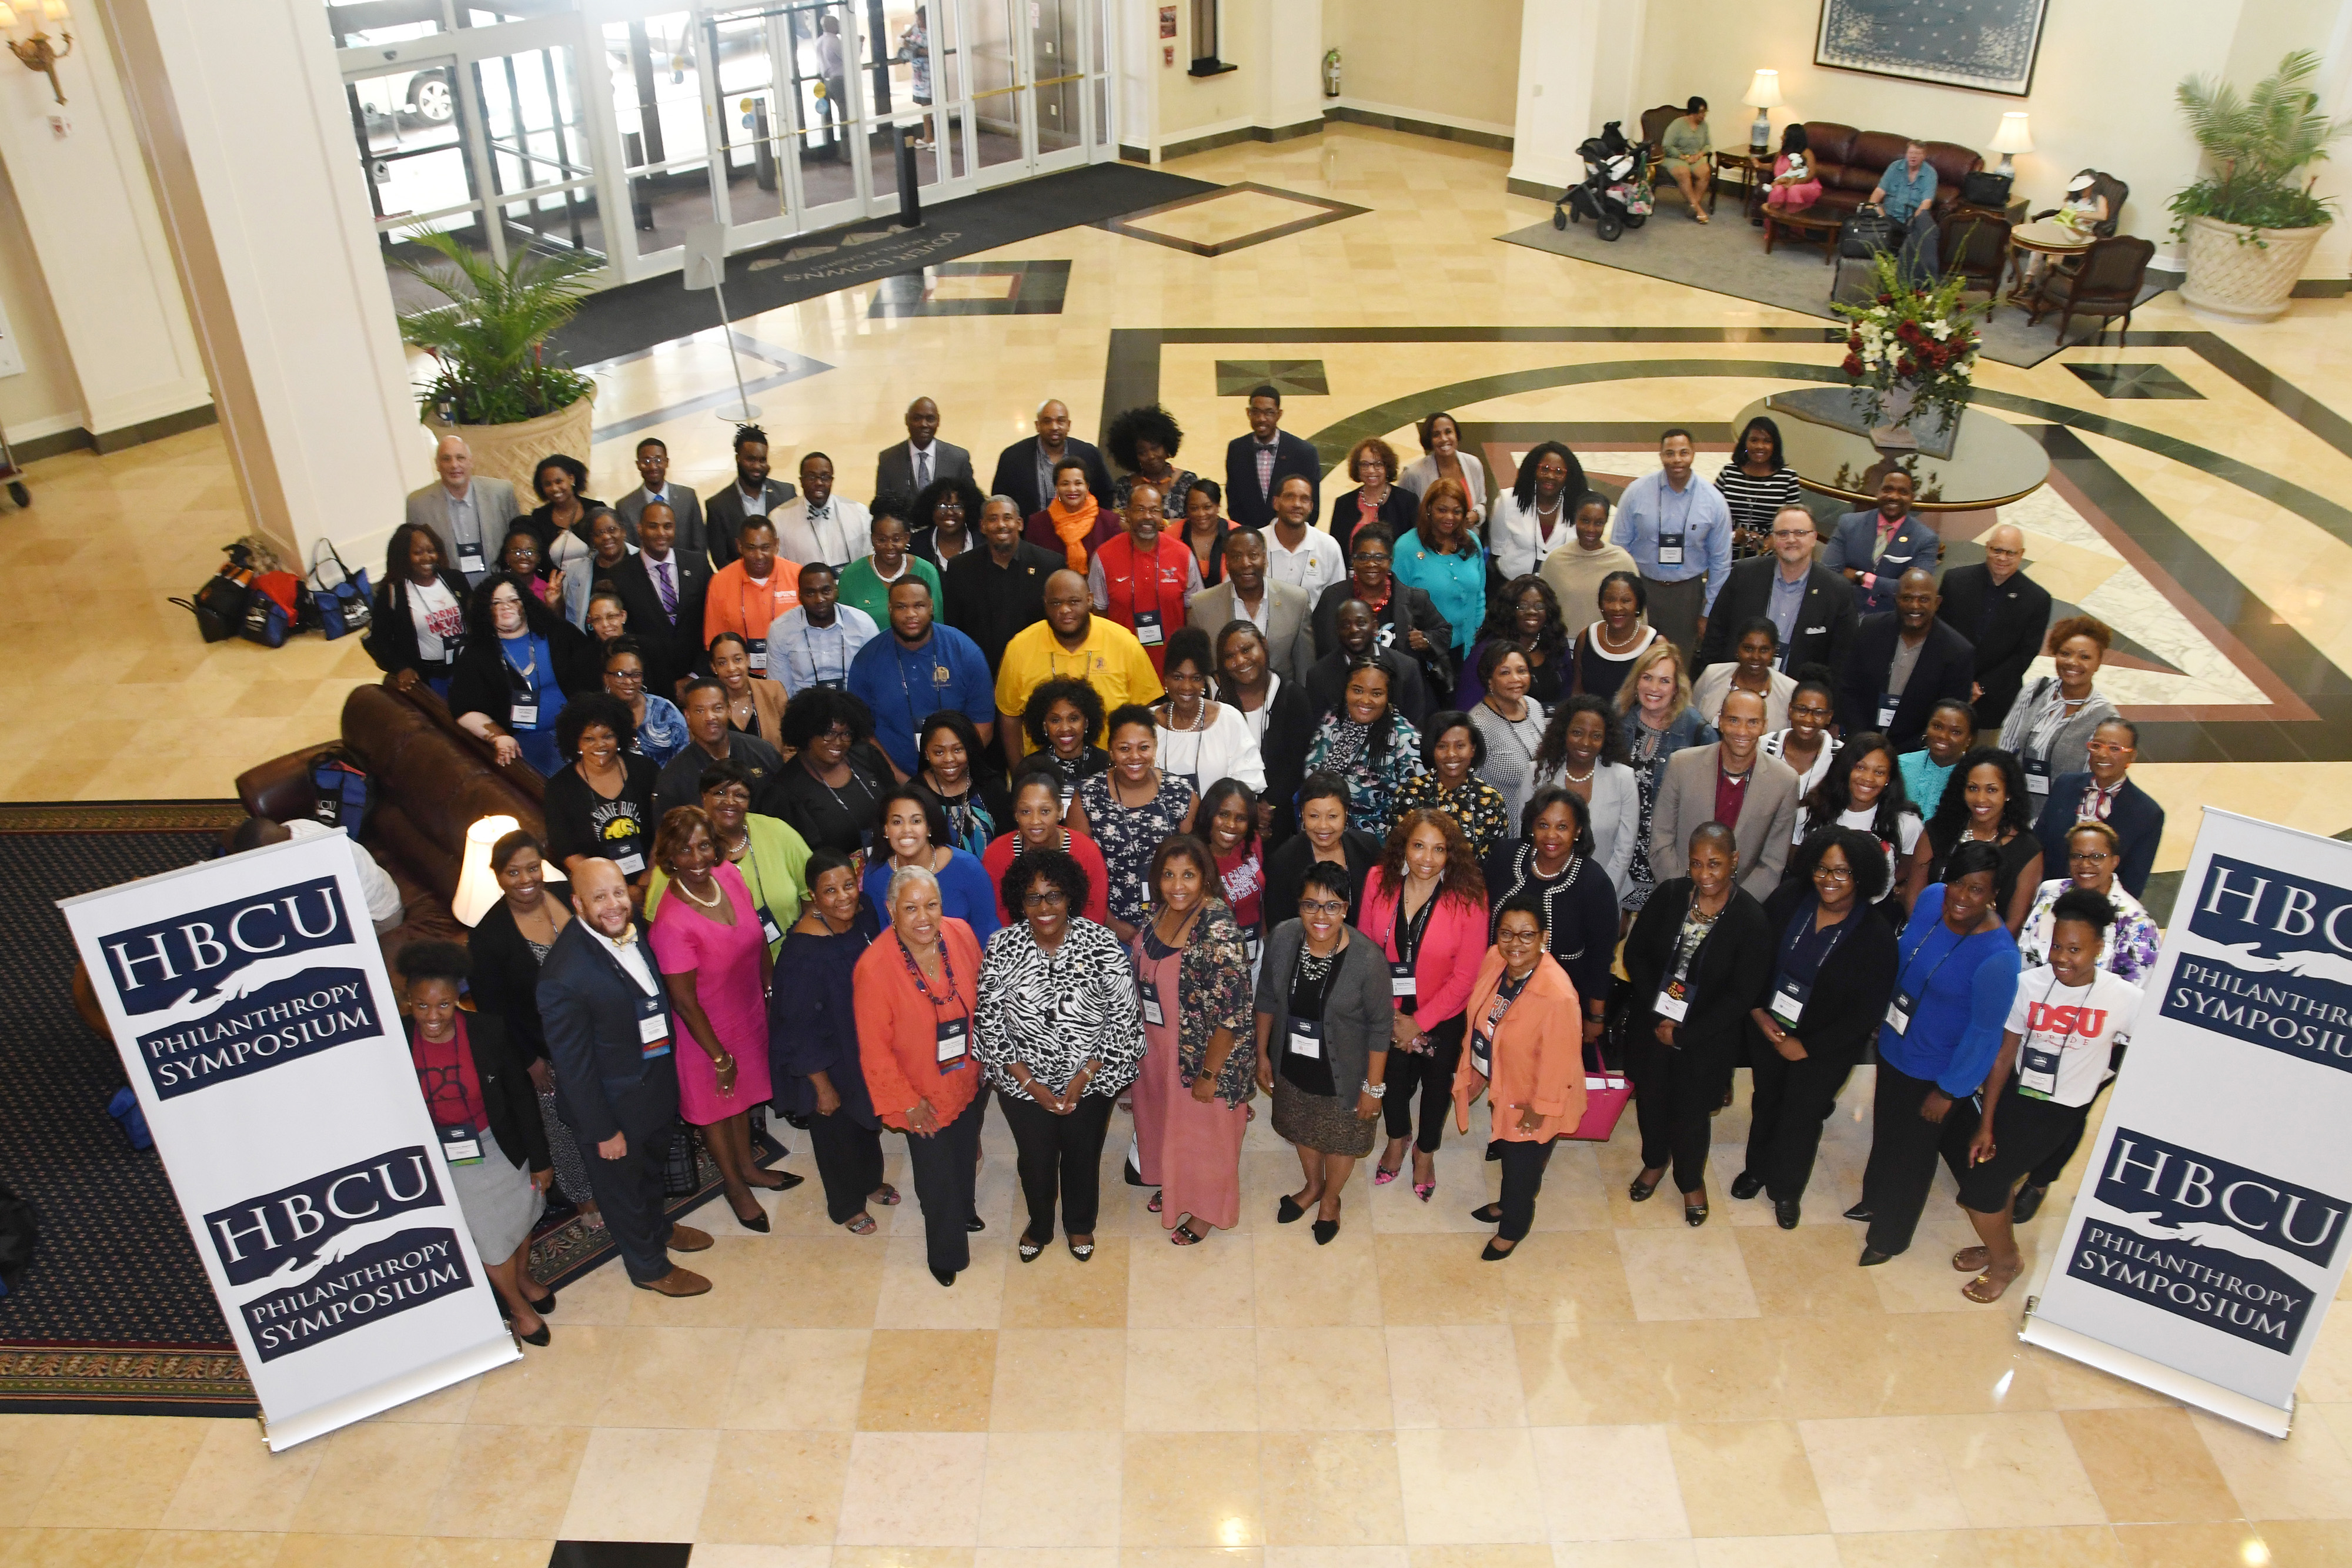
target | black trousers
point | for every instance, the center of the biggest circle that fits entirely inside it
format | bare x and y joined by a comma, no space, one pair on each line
945,1167
848,1161
1676,1090
1903,1147
2054,1166
1791,1102
1428,1075
1059,1155
632,1195
1523,1174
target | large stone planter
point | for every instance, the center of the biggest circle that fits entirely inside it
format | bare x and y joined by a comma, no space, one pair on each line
511,452
2236,281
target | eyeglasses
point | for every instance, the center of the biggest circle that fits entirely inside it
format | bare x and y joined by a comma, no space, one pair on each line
1369,555
1792,533
2088,857
1833,872
1322,906
1044,898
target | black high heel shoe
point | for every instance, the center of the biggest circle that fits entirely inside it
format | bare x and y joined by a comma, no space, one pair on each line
1489,1214
1289,1211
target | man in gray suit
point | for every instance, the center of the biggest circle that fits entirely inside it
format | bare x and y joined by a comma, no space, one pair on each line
753,495
1702,781
467,514
1284,615
905,470
685,508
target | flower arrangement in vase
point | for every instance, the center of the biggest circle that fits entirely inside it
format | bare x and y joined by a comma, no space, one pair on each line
1909,350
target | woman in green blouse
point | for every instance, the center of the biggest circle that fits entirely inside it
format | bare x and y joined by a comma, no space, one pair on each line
1689,155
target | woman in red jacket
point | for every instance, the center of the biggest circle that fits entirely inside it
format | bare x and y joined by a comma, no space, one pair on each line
1527,1043
1425,906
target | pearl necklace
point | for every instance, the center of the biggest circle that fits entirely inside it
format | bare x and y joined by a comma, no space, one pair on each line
718,893
1588,773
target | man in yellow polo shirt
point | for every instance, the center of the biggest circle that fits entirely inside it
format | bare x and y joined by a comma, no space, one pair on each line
1072,640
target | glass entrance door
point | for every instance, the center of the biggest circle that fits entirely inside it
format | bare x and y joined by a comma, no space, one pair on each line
411,128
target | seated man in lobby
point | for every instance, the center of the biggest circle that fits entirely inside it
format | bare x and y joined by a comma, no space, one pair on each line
2104,794
1689,155
1874,549
2005,613
1906,194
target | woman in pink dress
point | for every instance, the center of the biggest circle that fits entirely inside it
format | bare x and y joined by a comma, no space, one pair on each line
1192,1099
707,940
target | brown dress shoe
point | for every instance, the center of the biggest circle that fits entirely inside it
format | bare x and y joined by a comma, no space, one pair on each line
687,1238
677,1282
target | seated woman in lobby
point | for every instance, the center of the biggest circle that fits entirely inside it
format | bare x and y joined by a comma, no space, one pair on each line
1689,155
1795,186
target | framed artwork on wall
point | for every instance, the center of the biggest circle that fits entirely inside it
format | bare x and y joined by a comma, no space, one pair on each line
1988,44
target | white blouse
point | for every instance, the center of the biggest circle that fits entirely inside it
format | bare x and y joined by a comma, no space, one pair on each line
1227,748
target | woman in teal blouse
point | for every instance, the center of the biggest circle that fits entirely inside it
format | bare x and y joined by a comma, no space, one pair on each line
1442,558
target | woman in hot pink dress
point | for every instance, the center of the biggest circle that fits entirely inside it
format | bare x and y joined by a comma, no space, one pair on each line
708,942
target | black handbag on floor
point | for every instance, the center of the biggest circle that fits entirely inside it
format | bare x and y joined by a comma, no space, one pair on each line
1868,231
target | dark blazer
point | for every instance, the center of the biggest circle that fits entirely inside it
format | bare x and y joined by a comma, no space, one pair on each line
723,514
1417,610
479,683
684,506
1399,512
1285,869
1016,473
1249,506
894,469
1825,621
1850,994
2006,623
1947,665
2135,817
391,637
509,1101
1356,1019
990,603
1289,729
505,982
671,650
1729,975
1326,683
588,1007
540,521
1914,544
813,1022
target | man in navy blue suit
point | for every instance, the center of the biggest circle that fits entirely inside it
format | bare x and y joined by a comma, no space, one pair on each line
608,1021
1255,464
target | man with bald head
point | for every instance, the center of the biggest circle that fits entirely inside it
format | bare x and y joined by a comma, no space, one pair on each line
614,1045
1024,471
909,468
1905,661
467,512
2004,613
1734,783
1076,642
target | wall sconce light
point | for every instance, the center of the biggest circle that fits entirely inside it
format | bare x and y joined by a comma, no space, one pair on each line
33,47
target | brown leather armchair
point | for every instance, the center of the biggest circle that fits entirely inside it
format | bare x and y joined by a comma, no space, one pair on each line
1849,162
1976,246
2105,283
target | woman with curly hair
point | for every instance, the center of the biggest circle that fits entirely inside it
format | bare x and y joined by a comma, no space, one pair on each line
1986,803
1143,441
1061,719
600,805
1425,907
1376,497
1193,979
1526,612
1864,790
561,483
1128,809
1535,516
520,663
1369,747
831,790
1443,459
2050,727
947,520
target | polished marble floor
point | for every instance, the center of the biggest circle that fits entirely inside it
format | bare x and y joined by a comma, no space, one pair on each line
1626,1391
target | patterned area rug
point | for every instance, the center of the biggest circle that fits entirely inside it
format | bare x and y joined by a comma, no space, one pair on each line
114,1315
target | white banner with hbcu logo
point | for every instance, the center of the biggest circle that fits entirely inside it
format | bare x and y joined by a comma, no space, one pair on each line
249,1001
2208,1237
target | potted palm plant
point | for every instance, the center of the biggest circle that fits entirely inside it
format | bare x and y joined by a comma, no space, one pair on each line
493,382
2251,223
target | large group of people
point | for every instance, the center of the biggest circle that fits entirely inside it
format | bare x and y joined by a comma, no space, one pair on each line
1153,791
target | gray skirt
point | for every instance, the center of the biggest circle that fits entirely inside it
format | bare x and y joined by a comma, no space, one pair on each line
500,1202
1325,1123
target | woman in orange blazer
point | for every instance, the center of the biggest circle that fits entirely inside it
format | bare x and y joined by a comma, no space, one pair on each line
1526,1043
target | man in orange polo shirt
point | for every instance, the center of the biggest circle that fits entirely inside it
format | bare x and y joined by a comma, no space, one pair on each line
751,591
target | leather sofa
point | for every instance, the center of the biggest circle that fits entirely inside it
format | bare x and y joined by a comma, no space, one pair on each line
430,780
1849,162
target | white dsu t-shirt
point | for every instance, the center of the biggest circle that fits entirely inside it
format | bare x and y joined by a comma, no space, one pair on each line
2068,1033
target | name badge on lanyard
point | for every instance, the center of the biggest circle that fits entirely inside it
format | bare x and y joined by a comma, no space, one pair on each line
1402,986
1147,628
2037,775
768,927
1149,990
1900,1010
2037,1068
1670,547
1482,1050
1252,946
954,1044
1887,703
460,1145
522,700
1788,1003
1674,1000
469,558
631,864
758,647
1306,1038
653,1026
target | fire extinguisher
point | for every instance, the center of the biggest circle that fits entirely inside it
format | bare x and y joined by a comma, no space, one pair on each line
1331,73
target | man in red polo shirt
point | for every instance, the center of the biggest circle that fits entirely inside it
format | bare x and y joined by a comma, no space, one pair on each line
1144,579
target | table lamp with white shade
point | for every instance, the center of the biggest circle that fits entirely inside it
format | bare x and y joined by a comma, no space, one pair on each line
2011,138
477,885
1763,97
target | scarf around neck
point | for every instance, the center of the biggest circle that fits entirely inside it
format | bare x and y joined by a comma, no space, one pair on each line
1073,526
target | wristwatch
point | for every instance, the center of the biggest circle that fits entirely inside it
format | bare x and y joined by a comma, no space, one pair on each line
1377,1090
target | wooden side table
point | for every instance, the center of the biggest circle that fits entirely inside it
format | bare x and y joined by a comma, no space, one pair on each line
1755,171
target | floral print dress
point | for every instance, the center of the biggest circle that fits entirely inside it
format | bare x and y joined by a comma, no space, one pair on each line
1127,836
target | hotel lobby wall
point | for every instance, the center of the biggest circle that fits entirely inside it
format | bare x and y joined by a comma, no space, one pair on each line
1455,64
1275,47
44,400
2102,90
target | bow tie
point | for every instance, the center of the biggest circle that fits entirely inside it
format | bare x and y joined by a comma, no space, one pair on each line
628,935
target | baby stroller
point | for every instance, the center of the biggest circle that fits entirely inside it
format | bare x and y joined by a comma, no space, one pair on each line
1615,192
